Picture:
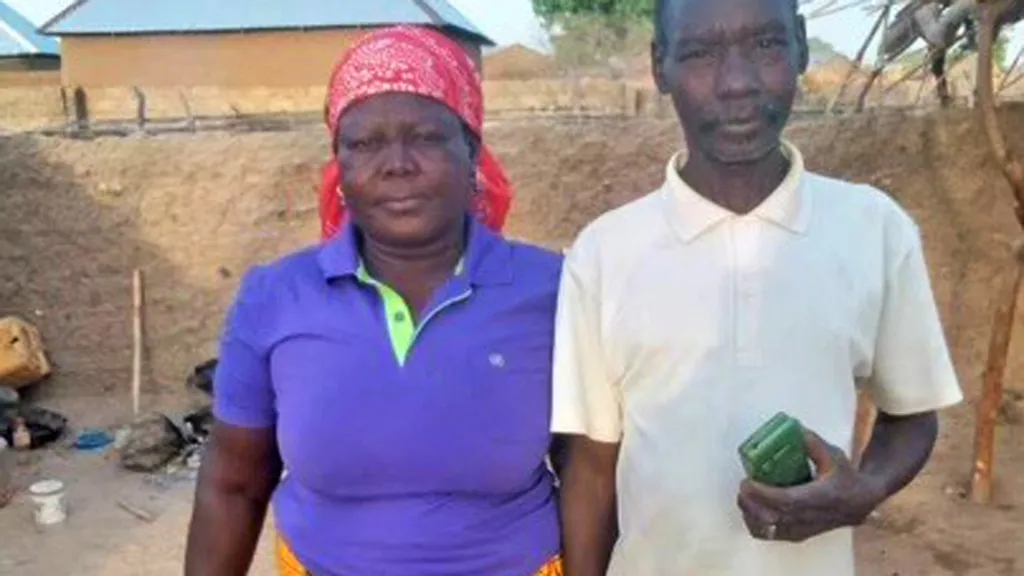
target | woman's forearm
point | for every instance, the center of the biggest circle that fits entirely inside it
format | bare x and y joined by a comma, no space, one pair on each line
225,530
240,472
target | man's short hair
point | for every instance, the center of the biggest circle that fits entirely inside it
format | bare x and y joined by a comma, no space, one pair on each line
661,15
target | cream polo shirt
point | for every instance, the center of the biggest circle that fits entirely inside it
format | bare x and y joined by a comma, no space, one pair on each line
682,327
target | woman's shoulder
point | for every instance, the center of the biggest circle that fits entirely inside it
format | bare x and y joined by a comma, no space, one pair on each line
262,280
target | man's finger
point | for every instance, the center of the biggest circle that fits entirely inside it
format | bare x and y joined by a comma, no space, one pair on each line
770,496
757,516
820,452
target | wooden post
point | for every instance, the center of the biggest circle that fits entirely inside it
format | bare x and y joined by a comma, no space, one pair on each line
865,424
1002,328
992,382
137,301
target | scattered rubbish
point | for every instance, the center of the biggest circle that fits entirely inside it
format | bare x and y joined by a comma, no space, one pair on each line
21,438
202,375
51,503
9,397
135,511
200,423
121,437
22,359
93,440
6,471
955,491
44,426
153,440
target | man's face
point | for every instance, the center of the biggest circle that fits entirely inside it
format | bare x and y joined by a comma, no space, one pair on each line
731,68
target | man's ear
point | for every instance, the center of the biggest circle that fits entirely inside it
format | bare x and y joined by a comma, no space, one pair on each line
804,51
657,67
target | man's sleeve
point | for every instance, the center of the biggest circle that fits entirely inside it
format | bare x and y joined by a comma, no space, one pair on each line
912,371
243,390
586,399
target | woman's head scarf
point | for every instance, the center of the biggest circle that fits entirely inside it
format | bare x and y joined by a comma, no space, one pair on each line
425,62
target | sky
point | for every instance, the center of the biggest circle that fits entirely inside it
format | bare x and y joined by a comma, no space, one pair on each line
513,21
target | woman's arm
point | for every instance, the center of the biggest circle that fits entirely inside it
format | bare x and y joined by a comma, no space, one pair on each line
240,471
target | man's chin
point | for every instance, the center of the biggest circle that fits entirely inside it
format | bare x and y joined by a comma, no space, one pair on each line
728,151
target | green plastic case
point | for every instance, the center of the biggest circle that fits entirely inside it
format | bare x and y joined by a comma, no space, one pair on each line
776,453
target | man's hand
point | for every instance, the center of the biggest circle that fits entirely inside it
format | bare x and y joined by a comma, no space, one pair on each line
838,497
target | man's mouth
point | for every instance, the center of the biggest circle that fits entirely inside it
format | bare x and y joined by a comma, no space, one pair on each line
741,126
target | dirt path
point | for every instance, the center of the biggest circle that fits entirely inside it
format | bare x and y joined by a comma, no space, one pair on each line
99,537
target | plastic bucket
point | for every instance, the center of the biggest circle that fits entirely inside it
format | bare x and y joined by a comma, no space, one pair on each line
50,501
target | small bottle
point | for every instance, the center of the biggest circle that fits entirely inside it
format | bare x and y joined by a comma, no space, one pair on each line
21,438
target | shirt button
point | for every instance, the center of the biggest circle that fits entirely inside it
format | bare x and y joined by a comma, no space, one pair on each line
399,317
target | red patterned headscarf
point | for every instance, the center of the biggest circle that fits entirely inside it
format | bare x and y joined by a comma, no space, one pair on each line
412,60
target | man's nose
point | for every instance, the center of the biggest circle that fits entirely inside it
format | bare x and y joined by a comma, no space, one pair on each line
737,75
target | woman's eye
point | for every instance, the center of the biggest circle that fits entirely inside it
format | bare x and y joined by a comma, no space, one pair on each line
695,54
430,137
358,144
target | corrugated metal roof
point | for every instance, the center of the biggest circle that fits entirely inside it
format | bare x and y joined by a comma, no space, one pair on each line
197,16
18,37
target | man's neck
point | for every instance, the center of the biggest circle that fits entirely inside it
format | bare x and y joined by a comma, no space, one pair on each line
739,188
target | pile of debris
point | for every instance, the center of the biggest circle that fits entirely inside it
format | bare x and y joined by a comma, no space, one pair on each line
23,363
157,441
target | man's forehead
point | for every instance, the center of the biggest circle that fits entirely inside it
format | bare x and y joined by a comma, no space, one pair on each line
698,17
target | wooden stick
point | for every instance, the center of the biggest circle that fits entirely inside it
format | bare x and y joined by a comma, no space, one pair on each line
137,341
135,511
864,426
992,383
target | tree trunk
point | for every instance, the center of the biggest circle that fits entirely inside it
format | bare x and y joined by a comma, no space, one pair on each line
992,382
1002,328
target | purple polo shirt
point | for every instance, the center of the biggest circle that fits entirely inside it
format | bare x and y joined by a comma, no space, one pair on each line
431,466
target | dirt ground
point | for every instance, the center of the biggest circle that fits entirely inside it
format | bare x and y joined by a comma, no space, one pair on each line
194,211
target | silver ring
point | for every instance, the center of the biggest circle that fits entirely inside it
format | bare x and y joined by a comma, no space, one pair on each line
769,531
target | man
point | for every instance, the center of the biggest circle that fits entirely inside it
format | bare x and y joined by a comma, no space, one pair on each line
743,287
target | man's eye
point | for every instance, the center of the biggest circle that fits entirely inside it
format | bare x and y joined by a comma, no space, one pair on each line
770,43
695,54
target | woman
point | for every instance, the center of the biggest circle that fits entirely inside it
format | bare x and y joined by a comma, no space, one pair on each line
400,372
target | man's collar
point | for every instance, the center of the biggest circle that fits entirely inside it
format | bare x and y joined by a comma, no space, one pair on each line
692,214
487,260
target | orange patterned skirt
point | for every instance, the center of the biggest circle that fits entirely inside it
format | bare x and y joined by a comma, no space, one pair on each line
288,564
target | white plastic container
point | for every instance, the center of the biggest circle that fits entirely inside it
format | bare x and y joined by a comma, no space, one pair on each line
50,500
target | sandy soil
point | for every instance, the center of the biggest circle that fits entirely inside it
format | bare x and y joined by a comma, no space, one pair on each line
151,201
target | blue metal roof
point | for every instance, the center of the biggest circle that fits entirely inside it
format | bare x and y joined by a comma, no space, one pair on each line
18,37
111,17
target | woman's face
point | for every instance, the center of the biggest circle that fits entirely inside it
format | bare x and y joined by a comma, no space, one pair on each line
409,170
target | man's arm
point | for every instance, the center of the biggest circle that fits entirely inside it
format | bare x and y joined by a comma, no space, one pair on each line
899,448
587,411
589,512
912,378
239,474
